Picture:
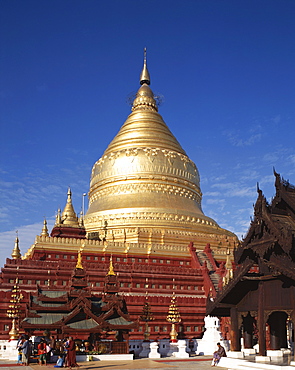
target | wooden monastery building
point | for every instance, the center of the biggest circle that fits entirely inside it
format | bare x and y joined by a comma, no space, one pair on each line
145,212
260,298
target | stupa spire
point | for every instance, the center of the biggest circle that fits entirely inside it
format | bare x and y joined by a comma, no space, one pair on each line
79,259
111,268
44,229
16,251
69,216
144,76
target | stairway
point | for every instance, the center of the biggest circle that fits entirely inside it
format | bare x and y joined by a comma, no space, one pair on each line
202,257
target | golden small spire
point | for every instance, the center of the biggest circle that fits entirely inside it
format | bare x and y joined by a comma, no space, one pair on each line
111,268
69,217
79,259
144,76
44,229
16,251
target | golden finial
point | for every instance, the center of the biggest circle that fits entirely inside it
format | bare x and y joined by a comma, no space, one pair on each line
111,268
44,229
79,259
69,217
16,251
144,76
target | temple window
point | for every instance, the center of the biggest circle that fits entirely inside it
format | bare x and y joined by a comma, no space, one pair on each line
38,282
139,260
103,258
196,328
140,328
181,262
11,281
137,285
181,287
188,328
64,283
20,281
72,257
129,285
55,282
121,285
157,328
132,259
65,256
88,258
160,286
29,282
46,282
196,287
118,258
189,287
125,260
187,262
167,286
153,286
57,256
164,328
161,261
6,327
49,256
168,261
95,258
97,284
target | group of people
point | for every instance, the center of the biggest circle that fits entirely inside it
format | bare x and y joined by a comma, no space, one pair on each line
67,357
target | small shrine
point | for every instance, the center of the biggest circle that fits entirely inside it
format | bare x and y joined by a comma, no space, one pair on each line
102,321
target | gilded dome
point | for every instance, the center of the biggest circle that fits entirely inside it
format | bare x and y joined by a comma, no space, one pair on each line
145,180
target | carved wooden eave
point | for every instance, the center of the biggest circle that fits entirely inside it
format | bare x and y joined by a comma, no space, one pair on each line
241,271
80,301
282,265
77,310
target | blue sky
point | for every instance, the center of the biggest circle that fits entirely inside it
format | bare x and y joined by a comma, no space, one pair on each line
225,69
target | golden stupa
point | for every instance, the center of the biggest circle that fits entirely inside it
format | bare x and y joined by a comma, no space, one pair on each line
145,189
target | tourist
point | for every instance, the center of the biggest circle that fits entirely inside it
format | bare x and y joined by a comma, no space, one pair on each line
18,347
26,351
59,362
71,353
218,354
42,352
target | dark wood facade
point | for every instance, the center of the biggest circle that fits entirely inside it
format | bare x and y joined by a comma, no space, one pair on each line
260,298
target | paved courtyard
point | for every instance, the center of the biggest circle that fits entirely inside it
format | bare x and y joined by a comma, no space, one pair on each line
199,363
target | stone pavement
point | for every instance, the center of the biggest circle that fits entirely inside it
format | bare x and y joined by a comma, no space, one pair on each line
196,363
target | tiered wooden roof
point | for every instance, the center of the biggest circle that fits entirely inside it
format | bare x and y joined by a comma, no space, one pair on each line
267,253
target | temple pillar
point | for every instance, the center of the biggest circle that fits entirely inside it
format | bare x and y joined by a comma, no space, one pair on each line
248,328
278,330
235,331
261,320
